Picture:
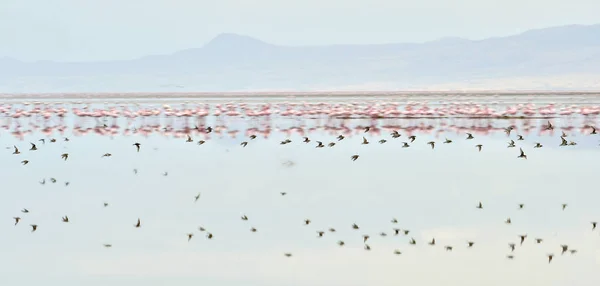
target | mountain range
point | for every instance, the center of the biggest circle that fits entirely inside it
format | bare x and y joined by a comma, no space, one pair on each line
232,62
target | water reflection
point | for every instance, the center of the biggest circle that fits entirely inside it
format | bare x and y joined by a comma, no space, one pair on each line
431,193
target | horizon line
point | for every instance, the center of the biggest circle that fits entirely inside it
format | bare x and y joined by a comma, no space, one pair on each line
267,94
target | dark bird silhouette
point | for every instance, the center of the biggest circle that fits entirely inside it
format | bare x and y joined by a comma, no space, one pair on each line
412,138
340,137
594,225
138,224
137,146
34,227
564,248
480,205
25,162
243,144
16,152
522,155
65,219
550,256
432,144
17,219
33,147
65,156
25,211
365,141
479,147
354,157
306,140
522,238
469,136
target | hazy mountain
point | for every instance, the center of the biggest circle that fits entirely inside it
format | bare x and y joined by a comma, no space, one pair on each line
234,62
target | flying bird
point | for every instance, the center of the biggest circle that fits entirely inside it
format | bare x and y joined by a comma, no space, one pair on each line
65,156
137,146
479,147
33,147
522,155
470,136
138,224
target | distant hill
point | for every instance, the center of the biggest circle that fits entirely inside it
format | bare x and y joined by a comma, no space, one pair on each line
233,62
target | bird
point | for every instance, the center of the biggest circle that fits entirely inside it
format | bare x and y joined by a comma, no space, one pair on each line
65,156
25,211
209,235
396,231
209,129
17,219
593,130
549,126
365,237
508,130
244,217
550,257
33,227
432,242
43,141
331,229
354,157
201,229
190,235
243,144
511,144
510,256
480,205
189,139
564,206
137,146
341,243
522,238
412,138
397,252
479,147
594,225
405,145
340,137
165,174
65,219
447,141
135,171
287,254
320,233
564,134
470,244
538,240
105,204
511,246
521,206
448,248
382,141
16,152
196,197
320,144
306,221
283,193
252,137
367,247
367,129
522,155
200,142
564,248
252,229
538,145
106,155
365,141
469,136
432,144
107,245
306,140
395,134
33,147
520,137
413,241
138,224
43,182
331,144
355,226
25,162
563,142
394,220
508,221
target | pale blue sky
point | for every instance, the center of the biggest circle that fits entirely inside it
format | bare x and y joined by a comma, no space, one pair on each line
431,192
75,30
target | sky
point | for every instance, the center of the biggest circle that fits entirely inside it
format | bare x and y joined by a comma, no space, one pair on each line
75,30
433,193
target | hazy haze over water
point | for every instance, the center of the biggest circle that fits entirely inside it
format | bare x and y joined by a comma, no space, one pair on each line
433,193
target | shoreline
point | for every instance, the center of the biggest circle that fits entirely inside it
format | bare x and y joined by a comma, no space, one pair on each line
275,94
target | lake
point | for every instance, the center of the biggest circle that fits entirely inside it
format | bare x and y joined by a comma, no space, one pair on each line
430,193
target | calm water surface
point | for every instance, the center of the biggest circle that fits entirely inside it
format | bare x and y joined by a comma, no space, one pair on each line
432,193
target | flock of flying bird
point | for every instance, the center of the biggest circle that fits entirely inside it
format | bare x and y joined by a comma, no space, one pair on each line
319,144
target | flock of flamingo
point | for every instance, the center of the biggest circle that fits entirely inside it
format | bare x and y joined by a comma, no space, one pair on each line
377,109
